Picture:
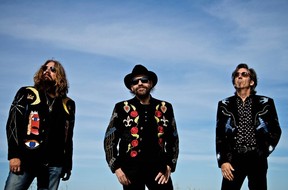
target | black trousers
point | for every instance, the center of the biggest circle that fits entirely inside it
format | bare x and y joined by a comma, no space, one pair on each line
144,175
249,165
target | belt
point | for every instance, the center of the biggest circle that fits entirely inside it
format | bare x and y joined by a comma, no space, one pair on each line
245,149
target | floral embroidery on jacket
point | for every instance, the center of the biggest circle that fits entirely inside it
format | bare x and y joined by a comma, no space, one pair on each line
132,118
161,121
132,121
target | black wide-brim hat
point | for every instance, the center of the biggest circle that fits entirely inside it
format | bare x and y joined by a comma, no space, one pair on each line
140,70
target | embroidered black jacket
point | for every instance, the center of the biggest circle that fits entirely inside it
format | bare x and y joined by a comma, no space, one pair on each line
29,130
144,134
265,122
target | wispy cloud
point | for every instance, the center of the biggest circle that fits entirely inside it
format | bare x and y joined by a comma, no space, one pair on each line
193,46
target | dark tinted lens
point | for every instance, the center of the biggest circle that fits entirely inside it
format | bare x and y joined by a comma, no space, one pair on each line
143,80
135,81
44,68
243,74
53,69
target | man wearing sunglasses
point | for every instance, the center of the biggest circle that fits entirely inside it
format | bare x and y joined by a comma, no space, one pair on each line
141,141
39,131
247,132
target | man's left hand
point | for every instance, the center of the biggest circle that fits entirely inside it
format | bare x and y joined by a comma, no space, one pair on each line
163,178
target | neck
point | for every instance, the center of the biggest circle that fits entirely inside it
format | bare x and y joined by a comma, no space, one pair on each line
144,100
49,88
243,93
51,94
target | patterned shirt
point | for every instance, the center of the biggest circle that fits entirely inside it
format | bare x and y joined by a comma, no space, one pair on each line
246,131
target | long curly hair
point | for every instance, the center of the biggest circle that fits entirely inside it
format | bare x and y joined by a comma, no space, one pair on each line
61,83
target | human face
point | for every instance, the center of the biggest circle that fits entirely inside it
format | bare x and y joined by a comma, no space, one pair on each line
242,79
141,86
49,71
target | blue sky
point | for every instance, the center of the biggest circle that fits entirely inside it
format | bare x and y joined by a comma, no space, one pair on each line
193,46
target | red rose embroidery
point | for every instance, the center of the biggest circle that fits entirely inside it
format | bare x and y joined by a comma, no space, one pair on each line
158,113
133,153
134,114
134,130
134,143
160,129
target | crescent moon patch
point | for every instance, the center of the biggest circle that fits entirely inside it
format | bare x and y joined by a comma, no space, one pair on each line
37,100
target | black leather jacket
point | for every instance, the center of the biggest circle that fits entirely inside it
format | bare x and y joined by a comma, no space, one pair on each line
265,122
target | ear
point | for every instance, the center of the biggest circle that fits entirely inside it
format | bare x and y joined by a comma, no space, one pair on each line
251,83
151,83
131,88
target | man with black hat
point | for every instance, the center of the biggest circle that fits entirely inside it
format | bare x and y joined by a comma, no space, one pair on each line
141,142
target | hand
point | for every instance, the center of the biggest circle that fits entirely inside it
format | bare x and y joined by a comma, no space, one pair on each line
163,178
15,164
227,169
65,175
122,177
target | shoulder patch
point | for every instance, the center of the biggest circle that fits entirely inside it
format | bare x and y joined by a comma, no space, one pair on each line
31,96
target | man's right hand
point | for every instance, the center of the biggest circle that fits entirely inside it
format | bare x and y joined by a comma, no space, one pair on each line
15,164
227,169
122,177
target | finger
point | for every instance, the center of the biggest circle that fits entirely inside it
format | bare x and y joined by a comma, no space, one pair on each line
167,179
162,179
14,169
158,176
124,180
228,176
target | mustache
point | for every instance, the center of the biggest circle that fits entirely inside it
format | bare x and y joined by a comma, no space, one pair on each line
47,74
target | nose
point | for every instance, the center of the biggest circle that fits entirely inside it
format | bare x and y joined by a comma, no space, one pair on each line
47,70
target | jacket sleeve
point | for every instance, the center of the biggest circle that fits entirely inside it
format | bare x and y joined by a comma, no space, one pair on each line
69,128
16,119
268,129
172,142
274,127
111,140
224,131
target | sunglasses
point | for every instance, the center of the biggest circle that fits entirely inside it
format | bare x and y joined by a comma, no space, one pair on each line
136,80
243,74
52,69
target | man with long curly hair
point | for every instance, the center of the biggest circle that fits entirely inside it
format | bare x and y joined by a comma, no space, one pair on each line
40,131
